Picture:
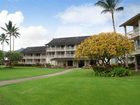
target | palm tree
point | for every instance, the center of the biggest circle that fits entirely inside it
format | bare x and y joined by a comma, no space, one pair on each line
110,6
3,39
15,34
11,30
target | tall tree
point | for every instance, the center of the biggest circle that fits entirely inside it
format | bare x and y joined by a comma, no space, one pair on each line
105,46
3,39
110,6
11,30
15,34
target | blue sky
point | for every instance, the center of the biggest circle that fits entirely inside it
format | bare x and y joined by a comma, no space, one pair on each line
38,11
61,18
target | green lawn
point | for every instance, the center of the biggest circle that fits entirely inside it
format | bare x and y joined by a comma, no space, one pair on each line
78,87
21,72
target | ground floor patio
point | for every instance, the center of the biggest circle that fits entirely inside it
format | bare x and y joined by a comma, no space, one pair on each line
69,62
137,62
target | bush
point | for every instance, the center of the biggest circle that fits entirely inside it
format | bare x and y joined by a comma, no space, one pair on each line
31,65
120,72
23,64
48,65
111,72
14,57
101,71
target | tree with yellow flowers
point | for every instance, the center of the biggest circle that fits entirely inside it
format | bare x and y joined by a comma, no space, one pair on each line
105,46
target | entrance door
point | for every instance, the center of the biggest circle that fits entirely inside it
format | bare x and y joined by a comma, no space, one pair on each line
70,63
93,62
81,63
138,61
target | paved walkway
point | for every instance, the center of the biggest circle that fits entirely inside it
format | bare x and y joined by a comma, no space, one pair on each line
14,81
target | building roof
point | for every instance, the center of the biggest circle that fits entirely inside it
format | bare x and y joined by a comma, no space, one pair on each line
20,50
132,22
67,41
34,50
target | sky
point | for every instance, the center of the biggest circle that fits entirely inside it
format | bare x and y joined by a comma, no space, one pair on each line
40,21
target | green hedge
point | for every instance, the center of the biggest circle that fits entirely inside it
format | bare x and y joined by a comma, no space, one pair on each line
111,72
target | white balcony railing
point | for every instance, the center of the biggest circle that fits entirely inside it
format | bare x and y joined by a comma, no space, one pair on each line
134,33
61,49
34,57
61,56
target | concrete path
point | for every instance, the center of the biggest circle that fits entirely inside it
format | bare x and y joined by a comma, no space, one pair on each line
14,81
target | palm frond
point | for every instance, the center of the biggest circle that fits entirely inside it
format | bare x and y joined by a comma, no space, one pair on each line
102,4
119,8
7,41
4,29
105,11
10,24
3,38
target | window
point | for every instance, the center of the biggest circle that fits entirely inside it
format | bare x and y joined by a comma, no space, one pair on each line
51,54
37,54
70,46
70,52
138,42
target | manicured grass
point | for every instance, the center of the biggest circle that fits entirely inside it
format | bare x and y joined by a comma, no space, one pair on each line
21,72
78,87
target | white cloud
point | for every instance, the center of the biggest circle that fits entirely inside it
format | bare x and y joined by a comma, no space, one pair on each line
16,18
83,20
87,19
84,15
30,36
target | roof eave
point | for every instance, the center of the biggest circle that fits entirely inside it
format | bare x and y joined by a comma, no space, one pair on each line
128,22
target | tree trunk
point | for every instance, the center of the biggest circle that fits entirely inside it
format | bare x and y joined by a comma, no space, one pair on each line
126,60
113,22
13,43
3,47
10,42
126,55
9,63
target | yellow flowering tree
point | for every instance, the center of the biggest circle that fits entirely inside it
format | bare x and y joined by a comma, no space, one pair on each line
105,46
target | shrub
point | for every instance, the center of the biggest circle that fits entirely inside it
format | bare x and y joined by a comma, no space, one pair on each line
111,72
101,71
17,64
30,65
12,58
120,72
48,65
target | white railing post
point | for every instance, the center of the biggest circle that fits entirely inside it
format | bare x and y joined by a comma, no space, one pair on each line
139,26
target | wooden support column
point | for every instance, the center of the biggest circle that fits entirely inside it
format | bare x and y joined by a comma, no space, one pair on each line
125,30
136,64
126,55
139,25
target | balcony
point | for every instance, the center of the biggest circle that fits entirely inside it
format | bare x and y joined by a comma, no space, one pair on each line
55,49
133,34
34,57
61,49
61,56
70,48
